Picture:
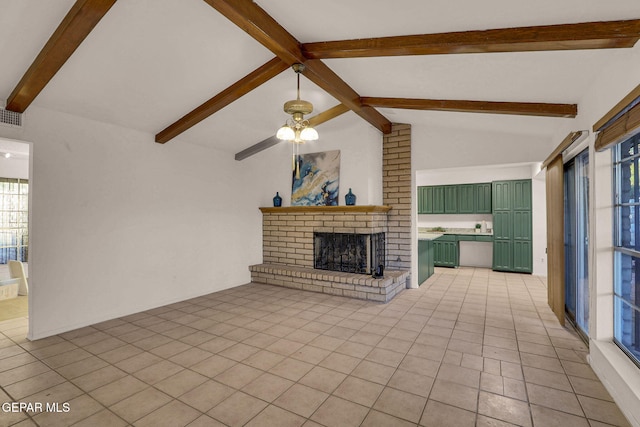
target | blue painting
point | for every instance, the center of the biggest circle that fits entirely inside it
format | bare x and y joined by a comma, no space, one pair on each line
318,181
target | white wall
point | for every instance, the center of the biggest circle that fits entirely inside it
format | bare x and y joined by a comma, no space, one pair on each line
440,148
488,173
360,148
120,224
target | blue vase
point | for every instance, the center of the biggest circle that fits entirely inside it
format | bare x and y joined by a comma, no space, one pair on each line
277,201
350,198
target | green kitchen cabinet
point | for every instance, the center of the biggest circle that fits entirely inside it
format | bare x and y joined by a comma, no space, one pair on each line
522,195
482,198
465,238
502,255
455,199
445,252
522,256
431,199
512,226
501,196
425,260
425,200
451,199
466,198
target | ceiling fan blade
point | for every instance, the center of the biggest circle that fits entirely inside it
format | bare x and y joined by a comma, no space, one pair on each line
316,120
461,106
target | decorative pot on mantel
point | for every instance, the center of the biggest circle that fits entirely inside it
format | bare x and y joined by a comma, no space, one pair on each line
277,200
350,198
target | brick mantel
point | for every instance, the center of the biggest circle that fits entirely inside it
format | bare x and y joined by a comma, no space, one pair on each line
329,209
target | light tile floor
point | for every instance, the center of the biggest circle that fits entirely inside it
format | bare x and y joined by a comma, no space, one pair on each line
470,347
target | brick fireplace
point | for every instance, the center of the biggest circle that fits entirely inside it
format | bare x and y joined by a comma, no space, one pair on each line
289,257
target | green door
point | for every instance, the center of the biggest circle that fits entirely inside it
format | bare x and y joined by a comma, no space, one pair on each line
522,195
425,260
522,256
451,199
512,226
423,205
482,193
501,199
466,198
502,255
445,253
502,225
437,199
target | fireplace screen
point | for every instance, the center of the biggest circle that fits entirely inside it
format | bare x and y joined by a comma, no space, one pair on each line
352,253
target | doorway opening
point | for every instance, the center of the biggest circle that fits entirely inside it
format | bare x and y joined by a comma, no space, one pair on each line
14,229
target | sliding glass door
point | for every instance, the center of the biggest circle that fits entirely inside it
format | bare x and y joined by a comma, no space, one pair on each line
576,240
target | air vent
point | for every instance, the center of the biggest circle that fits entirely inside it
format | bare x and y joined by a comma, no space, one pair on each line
10,118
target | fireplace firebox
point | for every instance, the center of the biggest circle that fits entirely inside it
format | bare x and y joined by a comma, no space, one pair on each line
348,252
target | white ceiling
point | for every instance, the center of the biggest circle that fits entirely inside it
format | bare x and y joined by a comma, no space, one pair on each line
149,62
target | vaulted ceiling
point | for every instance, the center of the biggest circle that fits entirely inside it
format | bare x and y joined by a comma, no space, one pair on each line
148,63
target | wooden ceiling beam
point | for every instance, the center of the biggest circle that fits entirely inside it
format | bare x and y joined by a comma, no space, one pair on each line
314,121
587,35
250,17
243,86
83,16
517,108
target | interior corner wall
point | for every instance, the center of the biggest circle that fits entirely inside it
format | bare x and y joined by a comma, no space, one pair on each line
120,224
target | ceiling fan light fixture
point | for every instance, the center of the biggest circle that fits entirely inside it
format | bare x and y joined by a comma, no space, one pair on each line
309,134
286,133
297,129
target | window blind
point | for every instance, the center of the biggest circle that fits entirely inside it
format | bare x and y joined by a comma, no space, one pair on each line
622,122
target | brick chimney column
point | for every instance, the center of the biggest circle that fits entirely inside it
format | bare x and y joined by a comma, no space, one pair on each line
396,192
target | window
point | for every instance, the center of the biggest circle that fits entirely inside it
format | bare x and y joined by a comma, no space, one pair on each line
627,247
14,234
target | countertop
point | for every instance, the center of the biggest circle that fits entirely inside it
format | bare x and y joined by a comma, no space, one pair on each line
430,234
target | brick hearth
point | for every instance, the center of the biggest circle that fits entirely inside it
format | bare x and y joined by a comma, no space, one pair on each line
288,250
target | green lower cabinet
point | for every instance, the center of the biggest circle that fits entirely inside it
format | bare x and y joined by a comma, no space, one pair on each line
425,260
522,256
502,255
445,253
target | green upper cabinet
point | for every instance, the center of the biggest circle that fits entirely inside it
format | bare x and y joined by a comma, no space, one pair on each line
425,197
451,199
466,198
502,194
455,199
431,199
522,195
438,200
482,195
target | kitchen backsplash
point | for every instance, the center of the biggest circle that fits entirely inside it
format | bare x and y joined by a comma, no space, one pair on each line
454,221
